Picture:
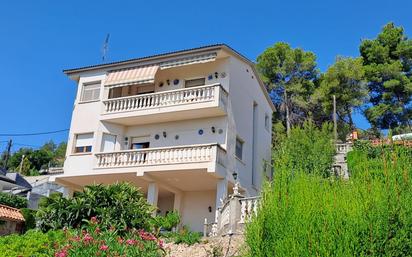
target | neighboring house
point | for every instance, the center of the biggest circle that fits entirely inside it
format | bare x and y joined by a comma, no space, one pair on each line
43,187
177,125
13,182
11,220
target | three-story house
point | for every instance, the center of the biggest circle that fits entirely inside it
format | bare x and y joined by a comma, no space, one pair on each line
181,126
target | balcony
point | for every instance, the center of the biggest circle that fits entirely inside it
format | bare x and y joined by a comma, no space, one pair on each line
187,103
205,156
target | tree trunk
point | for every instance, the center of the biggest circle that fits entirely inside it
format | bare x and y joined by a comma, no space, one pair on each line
351,126
287,112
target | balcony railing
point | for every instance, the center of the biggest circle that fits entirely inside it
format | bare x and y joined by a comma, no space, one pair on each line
160,156
163,99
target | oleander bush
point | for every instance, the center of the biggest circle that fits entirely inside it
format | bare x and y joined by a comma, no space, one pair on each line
95,239
121,205
32,243
303,213
13,200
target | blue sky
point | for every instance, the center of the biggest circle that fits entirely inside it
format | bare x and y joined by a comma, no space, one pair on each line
38,39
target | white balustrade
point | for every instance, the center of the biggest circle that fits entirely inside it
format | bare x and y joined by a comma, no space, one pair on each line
224,215
342,148
157,156
162,99
248,208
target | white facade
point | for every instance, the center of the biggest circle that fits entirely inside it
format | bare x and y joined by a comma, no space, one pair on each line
186,136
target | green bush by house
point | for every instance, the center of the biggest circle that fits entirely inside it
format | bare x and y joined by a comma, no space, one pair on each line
32,243
13,200
121,205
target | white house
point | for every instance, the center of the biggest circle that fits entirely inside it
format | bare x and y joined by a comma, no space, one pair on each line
177,125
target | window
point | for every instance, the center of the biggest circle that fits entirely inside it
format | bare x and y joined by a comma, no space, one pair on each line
90,92
267,122
195,82
146,89
108,143
239,148
83,143
115,92
139,143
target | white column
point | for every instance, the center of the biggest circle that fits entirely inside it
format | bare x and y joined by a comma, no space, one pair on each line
221,192
152,194
177,202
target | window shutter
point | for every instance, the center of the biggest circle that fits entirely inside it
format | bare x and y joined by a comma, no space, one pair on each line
84,139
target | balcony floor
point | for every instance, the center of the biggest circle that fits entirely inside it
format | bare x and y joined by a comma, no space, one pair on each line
188,180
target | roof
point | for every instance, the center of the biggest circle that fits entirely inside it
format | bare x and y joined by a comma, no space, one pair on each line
145,58
9,213
12,180
172,54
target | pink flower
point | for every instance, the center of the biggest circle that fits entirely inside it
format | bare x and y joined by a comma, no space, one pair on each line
87,238
62,253
146,236
104,247
160,243
97,230
120,240
130,241
94,220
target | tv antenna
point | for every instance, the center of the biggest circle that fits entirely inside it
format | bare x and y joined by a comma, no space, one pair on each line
105,48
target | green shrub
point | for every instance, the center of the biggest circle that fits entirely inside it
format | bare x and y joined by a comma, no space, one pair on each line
95,239
168,222
307,149
184,236
29,218
32,243
13,200
120,205
305,214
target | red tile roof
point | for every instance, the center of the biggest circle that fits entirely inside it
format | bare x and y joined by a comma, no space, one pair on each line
9,213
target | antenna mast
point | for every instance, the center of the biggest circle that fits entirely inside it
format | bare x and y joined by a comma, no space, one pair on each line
105,48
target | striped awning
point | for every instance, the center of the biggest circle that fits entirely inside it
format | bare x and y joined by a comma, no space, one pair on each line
188,60
131,76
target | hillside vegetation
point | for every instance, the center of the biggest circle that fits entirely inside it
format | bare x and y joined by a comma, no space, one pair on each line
305,213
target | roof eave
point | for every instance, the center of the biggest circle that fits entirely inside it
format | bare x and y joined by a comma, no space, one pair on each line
71,72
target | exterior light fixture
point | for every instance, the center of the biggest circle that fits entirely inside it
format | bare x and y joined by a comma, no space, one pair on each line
213,129
234,174
164,134
236,185
216,74
210,208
